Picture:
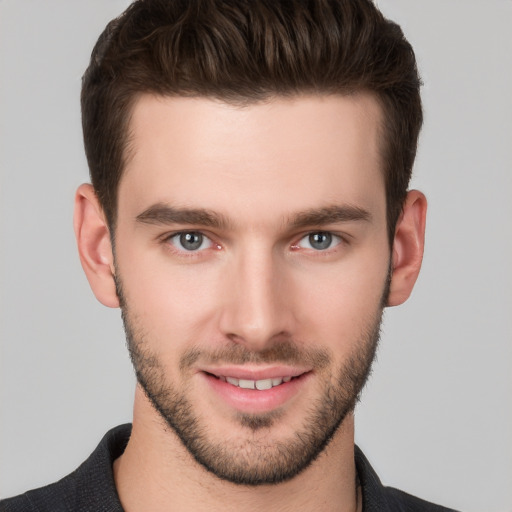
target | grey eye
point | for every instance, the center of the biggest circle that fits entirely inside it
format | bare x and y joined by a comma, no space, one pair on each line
190,241
320,241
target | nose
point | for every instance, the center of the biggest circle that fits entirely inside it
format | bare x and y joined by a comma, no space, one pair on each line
257,311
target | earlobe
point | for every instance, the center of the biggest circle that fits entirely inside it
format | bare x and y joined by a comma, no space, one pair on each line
408,247
94,245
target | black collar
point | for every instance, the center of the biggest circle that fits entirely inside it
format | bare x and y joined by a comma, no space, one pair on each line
91,487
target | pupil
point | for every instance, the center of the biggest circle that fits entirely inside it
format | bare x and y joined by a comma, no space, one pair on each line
191,241
320,241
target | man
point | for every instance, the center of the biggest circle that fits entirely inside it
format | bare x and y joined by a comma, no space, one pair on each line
249,213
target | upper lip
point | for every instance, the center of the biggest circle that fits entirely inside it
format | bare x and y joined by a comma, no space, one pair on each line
256,373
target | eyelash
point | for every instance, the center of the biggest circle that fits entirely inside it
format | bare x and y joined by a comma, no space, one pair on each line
189,253
332,238
167,239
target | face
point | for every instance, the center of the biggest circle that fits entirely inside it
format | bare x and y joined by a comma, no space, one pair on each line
252,266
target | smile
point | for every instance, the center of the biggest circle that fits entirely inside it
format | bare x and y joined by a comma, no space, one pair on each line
256,390
261,385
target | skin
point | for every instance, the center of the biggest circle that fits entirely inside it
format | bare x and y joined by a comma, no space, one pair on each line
256,282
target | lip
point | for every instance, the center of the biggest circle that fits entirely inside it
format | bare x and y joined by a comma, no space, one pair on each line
256,373
253,401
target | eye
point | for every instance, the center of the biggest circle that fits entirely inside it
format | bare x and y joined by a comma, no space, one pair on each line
190,241
319,241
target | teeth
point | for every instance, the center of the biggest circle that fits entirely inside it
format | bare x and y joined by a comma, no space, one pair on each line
264,384
246,384
261,385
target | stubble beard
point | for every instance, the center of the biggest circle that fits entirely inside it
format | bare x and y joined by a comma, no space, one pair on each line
256,459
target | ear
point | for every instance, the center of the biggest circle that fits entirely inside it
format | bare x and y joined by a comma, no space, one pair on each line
94,245
408,247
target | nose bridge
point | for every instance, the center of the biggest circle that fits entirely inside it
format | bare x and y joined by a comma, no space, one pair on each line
256,312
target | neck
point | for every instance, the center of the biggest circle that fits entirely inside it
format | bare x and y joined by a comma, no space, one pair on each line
157,473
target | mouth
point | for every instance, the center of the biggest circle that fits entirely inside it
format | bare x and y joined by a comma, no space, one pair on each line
256,391
260,385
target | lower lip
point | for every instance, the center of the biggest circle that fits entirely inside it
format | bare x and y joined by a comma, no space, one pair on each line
253,400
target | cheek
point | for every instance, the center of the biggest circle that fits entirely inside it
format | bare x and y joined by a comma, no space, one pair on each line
173,304
341,304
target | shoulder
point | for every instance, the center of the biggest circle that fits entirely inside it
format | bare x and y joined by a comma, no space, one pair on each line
401,501
90,488
57,497
379,498
17,504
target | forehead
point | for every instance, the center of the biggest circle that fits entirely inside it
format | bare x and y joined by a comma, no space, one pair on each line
298,152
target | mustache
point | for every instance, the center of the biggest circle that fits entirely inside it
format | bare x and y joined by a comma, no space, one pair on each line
285,352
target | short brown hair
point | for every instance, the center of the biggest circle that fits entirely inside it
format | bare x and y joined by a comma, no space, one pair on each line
247,51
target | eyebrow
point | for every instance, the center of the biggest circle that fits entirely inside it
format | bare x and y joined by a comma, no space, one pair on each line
330,215
162,214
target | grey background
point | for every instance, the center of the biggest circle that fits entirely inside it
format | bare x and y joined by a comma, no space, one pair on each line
436,417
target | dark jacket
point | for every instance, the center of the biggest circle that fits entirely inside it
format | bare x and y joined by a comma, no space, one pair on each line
91,487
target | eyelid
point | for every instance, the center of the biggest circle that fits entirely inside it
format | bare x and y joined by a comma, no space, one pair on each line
167,238
341,239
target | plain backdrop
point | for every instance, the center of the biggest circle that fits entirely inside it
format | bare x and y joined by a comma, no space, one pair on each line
436,416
